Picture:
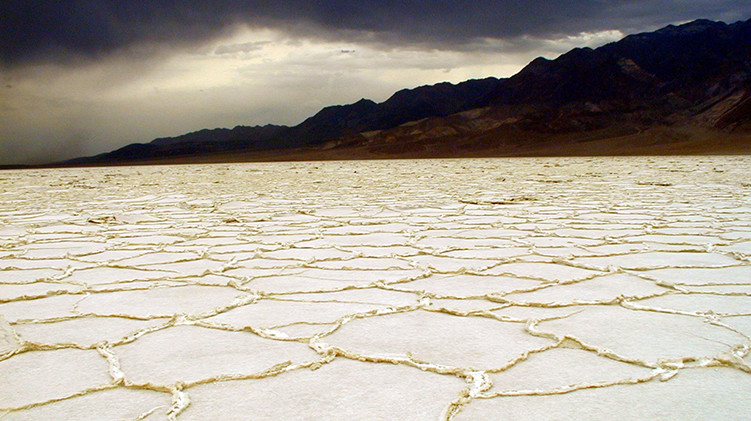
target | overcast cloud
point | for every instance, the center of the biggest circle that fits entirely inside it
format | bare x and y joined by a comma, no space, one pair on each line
82,76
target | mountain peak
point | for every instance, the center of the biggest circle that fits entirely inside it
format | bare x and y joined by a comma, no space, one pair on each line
700,25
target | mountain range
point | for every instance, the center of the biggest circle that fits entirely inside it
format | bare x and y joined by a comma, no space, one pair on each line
678,90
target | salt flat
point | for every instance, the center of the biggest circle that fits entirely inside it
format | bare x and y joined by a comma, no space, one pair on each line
561,288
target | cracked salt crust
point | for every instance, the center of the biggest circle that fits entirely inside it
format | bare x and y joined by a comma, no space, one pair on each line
447,289
203,354
86,332
561,367
341,390
648,336
27,375
475,342
694,394
109,404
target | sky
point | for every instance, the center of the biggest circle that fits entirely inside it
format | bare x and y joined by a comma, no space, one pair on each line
81,77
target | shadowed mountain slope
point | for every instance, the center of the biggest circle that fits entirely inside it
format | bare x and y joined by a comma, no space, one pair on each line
696,75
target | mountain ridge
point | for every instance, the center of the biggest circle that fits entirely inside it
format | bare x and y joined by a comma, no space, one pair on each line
697,74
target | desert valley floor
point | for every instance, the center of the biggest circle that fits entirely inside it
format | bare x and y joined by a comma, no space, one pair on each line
565,288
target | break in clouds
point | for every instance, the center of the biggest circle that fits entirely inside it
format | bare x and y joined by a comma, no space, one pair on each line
84,77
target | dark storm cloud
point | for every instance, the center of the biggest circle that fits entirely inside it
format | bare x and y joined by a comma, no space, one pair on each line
56,30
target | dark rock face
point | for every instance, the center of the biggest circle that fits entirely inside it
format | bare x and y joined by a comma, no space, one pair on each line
241,135
195,143
697,73
404,106
694,62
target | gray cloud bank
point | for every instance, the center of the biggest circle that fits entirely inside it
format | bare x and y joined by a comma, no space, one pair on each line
79,77
64,29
